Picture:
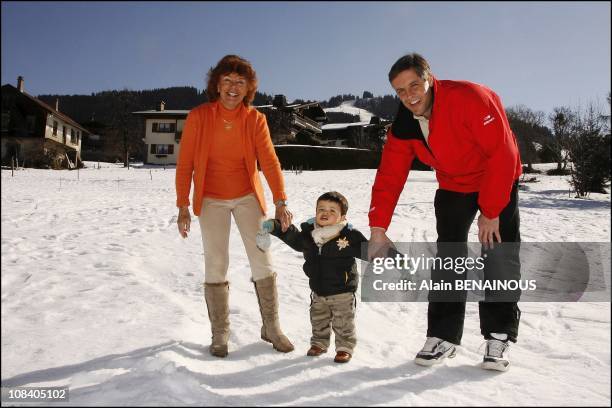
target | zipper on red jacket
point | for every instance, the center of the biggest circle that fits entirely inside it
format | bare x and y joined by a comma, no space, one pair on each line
433,97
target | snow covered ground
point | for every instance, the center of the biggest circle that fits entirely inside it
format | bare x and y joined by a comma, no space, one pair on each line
100,293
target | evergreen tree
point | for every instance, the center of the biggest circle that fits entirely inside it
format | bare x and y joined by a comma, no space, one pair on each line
589,151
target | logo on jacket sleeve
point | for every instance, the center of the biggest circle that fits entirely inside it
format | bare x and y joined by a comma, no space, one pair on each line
488,119
342,243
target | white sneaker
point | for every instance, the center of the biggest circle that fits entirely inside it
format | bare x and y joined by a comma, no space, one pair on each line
494,355
434,351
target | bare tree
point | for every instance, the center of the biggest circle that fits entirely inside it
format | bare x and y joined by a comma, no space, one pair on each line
528,126
606,118
563,121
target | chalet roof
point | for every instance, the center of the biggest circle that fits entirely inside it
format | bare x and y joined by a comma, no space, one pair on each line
48,108
321,147
162,113
183,113
293,105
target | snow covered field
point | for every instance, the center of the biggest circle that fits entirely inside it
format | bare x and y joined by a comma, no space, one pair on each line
100,293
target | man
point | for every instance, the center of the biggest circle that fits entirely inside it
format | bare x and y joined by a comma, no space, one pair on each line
461,130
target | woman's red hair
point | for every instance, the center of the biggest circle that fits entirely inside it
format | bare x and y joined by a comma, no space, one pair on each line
227,65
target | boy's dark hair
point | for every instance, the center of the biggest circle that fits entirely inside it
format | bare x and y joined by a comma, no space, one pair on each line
336,197
411,61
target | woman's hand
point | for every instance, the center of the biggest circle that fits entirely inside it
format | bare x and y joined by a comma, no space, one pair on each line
284,216
183,221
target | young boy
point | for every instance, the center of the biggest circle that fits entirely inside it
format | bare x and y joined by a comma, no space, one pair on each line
330,246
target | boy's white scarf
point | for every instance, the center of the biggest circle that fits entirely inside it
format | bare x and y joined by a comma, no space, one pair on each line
322,235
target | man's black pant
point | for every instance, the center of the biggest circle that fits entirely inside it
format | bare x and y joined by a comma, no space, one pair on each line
455,213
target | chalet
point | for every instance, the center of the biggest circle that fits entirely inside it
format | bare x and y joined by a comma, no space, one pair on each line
36,133
364,135
163,129
294,123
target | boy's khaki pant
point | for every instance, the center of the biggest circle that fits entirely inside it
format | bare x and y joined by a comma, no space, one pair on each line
337,311
215,222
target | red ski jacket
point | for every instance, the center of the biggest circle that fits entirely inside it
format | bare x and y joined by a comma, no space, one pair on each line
470,146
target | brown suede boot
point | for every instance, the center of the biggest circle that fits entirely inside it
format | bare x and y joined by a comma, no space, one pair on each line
267,296
217,302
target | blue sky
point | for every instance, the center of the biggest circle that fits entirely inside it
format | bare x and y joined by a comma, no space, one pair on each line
539,54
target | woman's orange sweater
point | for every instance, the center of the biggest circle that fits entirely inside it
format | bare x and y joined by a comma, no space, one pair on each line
226,174
195,146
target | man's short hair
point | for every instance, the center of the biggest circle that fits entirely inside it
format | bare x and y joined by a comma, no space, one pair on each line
336,197
410,61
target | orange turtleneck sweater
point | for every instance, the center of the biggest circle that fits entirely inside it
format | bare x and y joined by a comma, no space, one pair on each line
226,174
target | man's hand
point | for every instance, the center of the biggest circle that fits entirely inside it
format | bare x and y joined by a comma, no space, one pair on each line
488,230
379,242
183,221
284,216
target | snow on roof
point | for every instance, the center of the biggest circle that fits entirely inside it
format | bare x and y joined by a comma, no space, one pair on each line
333,126
347,107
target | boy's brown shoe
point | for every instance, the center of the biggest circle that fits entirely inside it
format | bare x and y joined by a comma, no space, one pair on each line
342,357
315,351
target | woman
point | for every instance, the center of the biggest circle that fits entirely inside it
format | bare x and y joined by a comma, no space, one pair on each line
222,142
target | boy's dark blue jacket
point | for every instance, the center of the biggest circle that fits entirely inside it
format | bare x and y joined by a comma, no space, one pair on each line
331,269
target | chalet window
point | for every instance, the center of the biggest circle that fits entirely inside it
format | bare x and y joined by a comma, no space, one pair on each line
6,118
55,128
162,149
72,137
31,123
64,133
164,127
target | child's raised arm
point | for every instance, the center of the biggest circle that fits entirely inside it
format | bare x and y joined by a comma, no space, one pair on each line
292,237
